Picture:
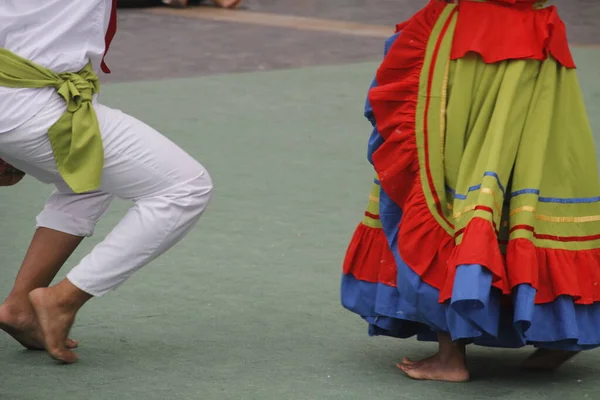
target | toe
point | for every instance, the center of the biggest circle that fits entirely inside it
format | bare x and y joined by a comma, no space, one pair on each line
64,356
404,368
407,361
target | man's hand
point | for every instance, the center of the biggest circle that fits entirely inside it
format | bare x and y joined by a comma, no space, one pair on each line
9,175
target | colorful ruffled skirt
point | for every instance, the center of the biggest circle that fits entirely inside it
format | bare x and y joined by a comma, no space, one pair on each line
484,218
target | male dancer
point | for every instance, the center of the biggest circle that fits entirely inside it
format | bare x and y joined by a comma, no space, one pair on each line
53,128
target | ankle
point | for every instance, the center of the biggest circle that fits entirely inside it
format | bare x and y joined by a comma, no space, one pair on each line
69,296
17,300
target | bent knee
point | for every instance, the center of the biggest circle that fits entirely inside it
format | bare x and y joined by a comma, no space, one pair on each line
199,191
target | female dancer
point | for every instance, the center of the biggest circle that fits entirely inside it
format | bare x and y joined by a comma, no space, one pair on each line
483,225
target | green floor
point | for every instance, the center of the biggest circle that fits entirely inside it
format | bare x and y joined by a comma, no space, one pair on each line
247,307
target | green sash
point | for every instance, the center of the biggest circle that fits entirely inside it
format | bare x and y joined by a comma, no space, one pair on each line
75,137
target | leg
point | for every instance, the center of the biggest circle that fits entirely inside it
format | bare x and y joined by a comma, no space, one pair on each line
55,309
65,221
47,253
448,365
170,191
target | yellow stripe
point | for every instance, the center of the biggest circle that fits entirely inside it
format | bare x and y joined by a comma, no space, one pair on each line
589,218
466,210
548,218
496,203
522,209
471,208
443,111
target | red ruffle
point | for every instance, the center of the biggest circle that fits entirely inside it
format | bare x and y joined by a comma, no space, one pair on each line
497,34
369,257
552,272
515,30
424,244
479,245
555,272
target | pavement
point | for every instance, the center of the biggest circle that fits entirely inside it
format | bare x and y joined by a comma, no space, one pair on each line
247,307
162,43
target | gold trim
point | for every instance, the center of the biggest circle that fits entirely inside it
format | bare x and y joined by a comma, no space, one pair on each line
548,218
466,210
493,194
522,209
444,101
373,199
488,191
589,218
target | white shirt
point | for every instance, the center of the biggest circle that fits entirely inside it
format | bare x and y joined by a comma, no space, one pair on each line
61,35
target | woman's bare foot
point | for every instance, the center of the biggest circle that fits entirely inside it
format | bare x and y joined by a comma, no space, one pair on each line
19,321
548,359
447,365
56,308
437,368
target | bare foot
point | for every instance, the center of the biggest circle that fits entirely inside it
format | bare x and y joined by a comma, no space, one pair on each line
19,321
437,369
548,359
55,321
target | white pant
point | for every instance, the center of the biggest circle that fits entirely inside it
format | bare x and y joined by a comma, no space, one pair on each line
169,190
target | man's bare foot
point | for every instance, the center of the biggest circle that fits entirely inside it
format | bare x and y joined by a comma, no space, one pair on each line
19,321
548,359
55,321
436,368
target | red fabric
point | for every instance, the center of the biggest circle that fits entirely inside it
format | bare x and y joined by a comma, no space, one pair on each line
552,272
434,59
423,243
510,29
369,257
497,32
110,34
479,245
